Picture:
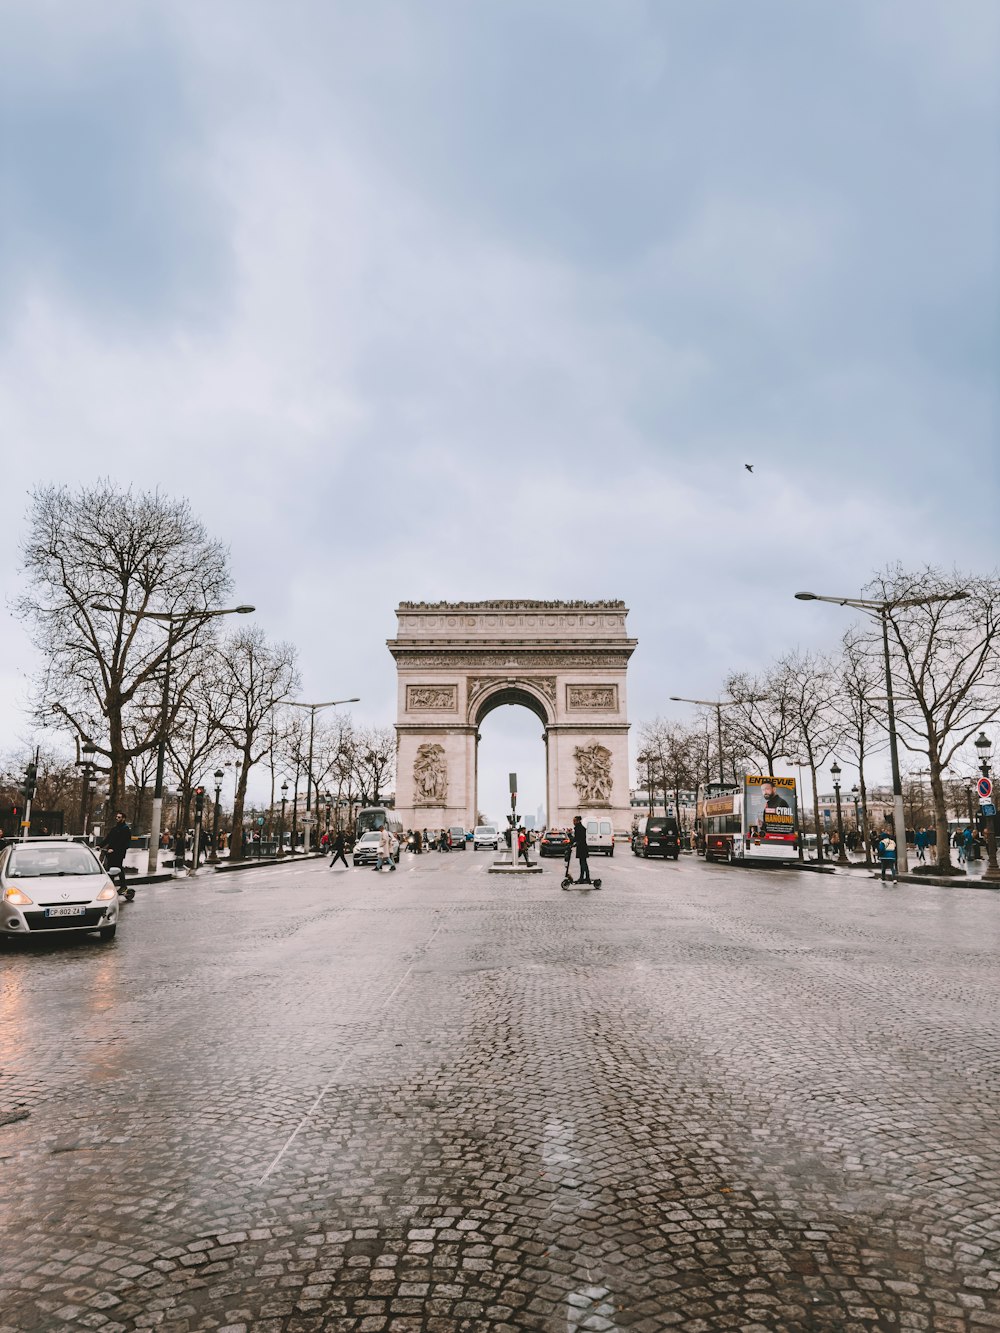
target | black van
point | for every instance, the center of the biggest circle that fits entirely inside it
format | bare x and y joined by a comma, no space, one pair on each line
657,836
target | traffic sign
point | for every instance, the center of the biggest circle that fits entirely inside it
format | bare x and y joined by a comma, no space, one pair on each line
985,788
987,808
260,820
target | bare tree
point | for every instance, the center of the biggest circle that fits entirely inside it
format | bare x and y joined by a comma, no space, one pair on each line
375,761
676,752
808,683
129,552
860,702
760,718
946,667
255,678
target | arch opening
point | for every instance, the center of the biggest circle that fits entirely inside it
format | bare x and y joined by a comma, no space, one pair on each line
512,740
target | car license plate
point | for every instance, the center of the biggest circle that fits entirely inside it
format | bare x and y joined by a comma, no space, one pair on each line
65,911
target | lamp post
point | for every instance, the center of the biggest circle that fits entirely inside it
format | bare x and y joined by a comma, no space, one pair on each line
718,705
170,619
880,610
328,801
313,710
88,750
841,852
213,855
983,746
284,798
644,757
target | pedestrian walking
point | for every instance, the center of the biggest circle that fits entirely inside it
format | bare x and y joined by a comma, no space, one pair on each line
114,846
887,856
385,849
523,845
339,845
920,843
579,845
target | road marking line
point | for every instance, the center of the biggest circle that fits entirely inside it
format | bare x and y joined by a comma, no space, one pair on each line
347,1058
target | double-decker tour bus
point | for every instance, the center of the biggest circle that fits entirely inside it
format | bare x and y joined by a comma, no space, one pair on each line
753,821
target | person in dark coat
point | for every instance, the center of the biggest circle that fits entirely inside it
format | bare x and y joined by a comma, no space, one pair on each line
339,845
580,844
115,845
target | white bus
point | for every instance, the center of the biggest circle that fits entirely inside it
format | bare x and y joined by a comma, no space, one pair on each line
754,821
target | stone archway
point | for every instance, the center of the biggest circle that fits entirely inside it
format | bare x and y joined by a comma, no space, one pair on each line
457,661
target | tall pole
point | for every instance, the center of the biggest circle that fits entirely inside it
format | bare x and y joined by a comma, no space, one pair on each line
899,818
309,770
718,724
156,814
992,870
841,853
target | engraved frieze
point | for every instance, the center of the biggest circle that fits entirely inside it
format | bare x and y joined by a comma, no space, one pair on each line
590,697
421,698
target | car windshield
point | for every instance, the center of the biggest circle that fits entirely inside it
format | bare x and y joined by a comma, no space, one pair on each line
39,862
371,837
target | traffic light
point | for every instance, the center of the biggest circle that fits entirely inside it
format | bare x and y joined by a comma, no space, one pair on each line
199,802
30,779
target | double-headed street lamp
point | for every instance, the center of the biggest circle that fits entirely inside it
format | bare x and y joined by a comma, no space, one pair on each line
983,746
881,610
718,705
89,767
841,852
170,618
313,710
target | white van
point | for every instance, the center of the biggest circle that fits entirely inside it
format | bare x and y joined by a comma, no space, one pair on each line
485,836
600,836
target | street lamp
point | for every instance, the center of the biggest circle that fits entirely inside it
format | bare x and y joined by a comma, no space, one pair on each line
718,705
880,610
284,798
984,745
213,855
170,618
645,757
313,710
841,853
89,749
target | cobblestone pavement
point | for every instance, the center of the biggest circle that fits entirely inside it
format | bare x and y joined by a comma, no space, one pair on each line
701,1098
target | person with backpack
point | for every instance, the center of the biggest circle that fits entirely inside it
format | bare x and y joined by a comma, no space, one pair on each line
887,856
523,844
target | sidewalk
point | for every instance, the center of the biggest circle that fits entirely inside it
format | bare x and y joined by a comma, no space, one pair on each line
971,879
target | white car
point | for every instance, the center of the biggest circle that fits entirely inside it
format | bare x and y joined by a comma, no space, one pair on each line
49,886
601,836
485,835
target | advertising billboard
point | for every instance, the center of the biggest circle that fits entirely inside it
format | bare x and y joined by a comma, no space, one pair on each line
770,808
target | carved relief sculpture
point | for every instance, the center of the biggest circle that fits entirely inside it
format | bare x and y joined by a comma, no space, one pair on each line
592,696
593,774
430,775
431,696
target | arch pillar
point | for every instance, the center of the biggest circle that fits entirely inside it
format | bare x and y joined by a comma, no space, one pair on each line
457,661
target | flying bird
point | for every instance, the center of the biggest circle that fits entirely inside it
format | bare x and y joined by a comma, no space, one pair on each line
748,466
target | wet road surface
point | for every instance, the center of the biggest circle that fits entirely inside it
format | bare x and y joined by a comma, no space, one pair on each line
702,1098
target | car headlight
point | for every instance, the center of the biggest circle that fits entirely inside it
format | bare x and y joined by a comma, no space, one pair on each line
16,897
107,893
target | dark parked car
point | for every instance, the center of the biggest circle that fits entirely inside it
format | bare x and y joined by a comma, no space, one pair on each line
657,836
554,842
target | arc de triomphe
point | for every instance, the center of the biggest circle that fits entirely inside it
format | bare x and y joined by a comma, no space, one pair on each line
457,661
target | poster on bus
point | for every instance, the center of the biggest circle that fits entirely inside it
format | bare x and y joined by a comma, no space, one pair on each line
771,808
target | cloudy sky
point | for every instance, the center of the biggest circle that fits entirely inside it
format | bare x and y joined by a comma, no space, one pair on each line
494,299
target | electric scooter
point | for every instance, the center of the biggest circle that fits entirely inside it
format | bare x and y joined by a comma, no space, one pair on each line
569,881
